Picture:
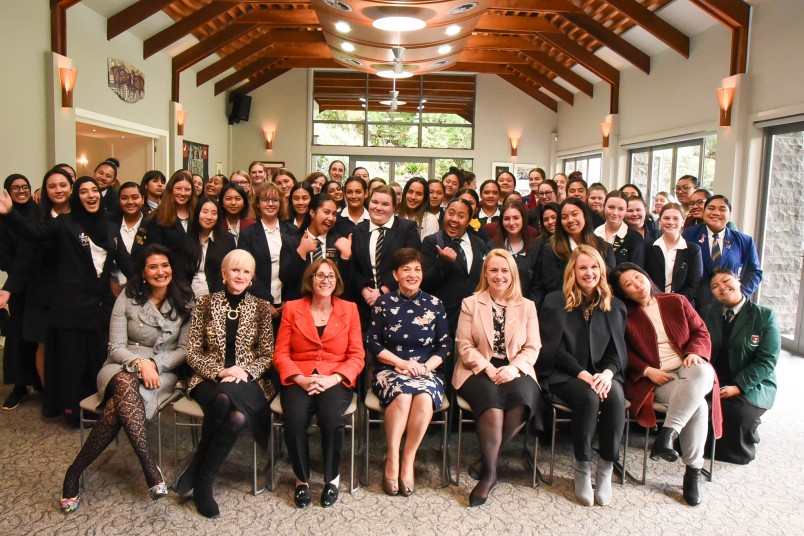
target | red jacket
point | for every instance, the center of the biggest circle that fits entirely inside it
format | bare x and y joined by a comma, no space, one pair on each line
299,350
686,332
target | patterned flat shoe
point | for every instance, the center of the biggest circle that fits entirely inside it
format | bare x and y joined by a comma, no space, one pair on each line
160,490
68,506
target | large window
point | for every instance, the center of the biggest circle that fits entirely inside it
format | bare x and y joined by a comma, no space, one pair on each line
434,111
395,168
656,169
588,165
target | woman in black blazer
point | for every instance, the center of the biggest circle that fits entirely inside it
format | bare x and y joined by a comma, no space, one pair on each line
88,248
169,224
582,362
372,274
449,273
627,244
674,264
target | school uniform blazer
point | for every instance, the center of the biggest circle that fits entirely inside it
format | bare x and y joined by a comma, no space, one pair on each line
629,249
688,335
402,234
254,241
738,254
81,300
754,348
299,349
254,343
172,237
687,270
140,237
292,266
553,268
449,281
567,350
110,204
475,337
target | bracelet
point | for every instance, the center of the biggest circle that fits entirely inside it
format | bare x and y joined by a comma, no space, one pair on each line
338,377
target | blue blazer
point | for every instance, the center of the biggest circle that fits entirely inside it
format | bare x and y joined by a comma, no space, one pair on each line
738,254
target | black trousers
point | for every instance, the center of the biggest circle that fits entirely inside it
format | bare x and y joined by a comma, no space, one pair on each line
740,435
585,405
19,356
73,358
328,407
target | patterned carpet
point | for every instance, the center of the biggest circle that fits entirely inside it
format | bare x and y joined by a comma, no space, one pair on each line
764,497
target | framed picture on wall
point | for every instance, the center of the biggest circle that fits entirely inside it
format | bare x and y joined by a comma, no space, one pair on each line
499,167
521,174
195,158
271,168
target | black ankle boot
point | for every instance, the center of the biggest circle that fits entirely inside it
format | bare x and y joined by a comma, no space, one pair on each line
663,445
692,486
204,501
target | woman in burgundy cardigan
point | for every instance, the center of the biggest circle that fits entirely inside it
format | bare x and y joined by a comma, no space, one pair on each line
668,362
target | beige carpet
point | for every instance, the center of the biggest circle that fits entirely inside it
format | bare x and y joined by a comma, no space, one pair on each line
764,497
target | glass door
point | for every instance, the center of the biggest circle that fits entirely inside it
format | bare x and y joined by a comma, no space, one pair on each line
782,231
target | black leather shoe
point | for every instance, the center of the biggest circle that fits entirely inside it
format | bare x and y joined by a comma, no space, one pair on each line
692,486
329,496
663,445
302,496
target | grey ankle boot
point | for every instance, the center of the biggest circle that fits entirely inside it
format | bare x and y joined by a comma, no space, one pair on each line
603,482
583,483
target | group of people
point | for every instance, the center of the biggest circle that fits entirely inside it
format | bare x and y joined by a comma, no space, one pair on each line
253,287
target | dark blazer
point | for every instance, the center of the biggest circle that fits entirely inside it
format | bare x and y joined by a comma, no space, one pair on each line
451,282
738,254
687,270
402,234
631,248
110,204
253,240
172,237
221,244
566,348
553,268
292,266
345,226
140,238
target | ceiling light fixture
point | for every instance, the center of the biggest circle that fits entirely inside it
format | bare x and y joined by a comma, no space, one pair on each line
348,47
343,27
444,49
453,30
391,74
399,24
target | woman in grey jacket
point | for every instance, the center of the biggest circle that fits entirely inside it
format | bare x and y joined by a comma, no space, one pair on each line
147,340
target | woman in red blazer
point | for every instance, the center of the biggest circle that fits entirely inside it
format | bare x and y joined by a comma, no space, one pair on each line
319,354
668,362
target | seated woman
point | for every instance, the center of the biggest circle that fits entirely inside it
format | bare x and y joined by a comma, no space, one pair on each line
498,343
147,340
583,362
230,349
319,354
668,352
409,334
745,350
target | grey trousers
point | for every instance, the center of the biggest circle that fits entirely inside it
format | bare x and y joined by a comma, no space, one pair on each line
687,410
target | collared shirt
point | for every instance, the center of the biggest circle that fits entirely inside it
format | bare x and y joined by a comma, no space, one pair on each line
153,205
737,308
669,259
199,283
572,244
184,222
621,232
98,256
322,240
128,233
466,246
710,235
234,231
373,235
274,238
484,218
363,216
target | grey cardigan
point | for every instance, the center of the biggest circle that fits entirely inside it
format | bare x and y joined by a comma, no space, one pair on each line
142,331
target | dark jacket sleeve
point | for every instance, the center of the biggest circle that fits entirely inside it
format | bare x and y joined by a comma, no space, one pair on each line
552,273
410,239
695,273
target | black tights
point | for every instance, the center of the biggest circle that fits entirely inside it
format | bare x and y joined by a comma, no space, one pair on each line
495,428
124,408
220,429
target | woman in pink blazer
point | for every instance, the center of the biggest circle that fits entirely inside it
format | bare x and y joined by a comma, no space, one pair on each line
498,343
319,354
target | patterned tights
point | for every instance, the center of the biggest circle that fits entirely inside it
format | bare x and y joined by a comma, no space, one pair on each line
124,408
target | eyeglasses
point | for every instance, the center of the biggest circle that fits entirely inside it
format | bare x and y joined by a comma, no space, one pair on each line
21,188
320,277
271,200
698,203
684,188
545,194
240,183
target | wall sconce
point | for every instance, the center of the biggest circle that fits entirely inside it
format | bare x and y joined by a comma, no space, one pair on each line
725,97
514,145
181,117
67,76
82,160
605,129
269,139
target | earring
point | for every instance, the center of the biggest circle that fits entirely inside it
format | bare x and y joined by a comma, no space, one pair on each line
224,282
250,283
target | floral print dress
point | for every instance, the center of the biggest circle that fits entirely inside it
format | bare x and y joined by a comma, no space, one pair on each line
413,329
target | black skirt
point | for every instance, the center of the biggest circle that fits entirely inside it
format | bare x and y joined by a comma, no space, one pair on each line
246,397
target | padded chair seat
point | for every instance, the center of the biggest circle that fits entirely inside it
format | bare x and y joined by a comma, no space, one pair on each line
662,408
372,403
189,407
276,405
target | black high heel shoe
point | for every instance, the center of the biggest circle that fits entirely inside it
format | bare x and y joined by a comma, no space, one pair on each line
663,445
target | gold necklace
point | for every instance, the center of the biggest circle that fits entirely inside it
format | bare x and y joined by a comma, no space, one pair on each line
322,315
233,314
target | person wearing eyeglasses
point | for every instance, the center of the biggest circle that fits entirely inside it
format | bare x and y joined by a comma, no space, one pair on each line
319,354
685,186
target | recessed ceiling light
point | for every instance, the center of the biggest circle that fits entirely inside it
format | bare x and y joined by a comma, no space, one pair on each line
336,4
391,74
444,49
348,47
93,130
343,27
453,30
399,24
463,8
423,101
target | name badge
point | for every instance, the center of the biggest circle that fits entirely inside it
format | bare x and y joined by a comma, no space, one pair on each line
84,239
754,339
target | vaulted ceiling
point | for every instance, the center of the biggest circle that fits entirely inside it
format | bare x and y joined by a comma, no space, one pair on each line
549,49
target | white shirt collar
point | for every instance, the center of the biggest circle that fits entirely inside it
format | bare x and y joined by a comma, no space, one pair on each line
621,232
737,308
682,244
387,225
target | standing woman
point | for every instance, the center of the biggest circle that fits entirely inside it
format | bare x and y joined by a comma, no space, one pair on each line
336,171
235,203
88,247
300,196
230,349
451,181
214,186
316,180
334,190
106,176
659,201
575,229
489,202
170,222
548,219
507,183
286,181
414,206
498,343
668,362
583,363
361,172
453,260
153,182
436,189
355,211
626,243
673,263
199,260
596,199
535,178
319,354
636,216
147,341
514,237
561,187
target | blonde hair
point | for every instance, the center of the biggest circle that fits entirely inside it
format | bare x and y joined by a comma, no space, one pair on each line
242,173
514,292
239,258
573,293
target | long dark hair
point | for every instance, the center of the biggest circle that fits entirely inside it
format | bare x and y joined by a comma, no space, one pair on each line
44,201
560,240
619,270
315,204
179,295
502,234
402,206
552,205
291,210
242,193
192,246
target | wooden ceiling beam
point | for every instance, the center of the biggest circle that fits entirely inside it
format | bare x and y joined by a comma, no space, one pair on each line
582,56
210,45
561,70
281,17
500,42
301,50
516,25
185,26
537,6
471,55
545,82
260,80
653,24
133,15
732,13
530,90
237,77
626,50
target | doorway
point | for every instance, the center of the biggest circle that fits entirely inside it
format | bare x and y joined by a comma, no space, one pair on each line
95,143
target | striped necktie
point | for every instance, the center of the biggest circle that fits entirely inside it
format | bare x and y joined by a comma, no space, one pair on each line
715,253
317,254
377,255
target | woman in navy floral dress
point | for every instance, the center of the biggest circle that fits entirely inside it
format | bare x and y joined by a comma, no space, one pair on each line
409,335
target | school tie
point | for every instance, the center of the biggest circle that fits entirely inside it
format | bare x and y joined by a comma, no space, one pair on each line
461,252
729,315
715,248
377,255
317,254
